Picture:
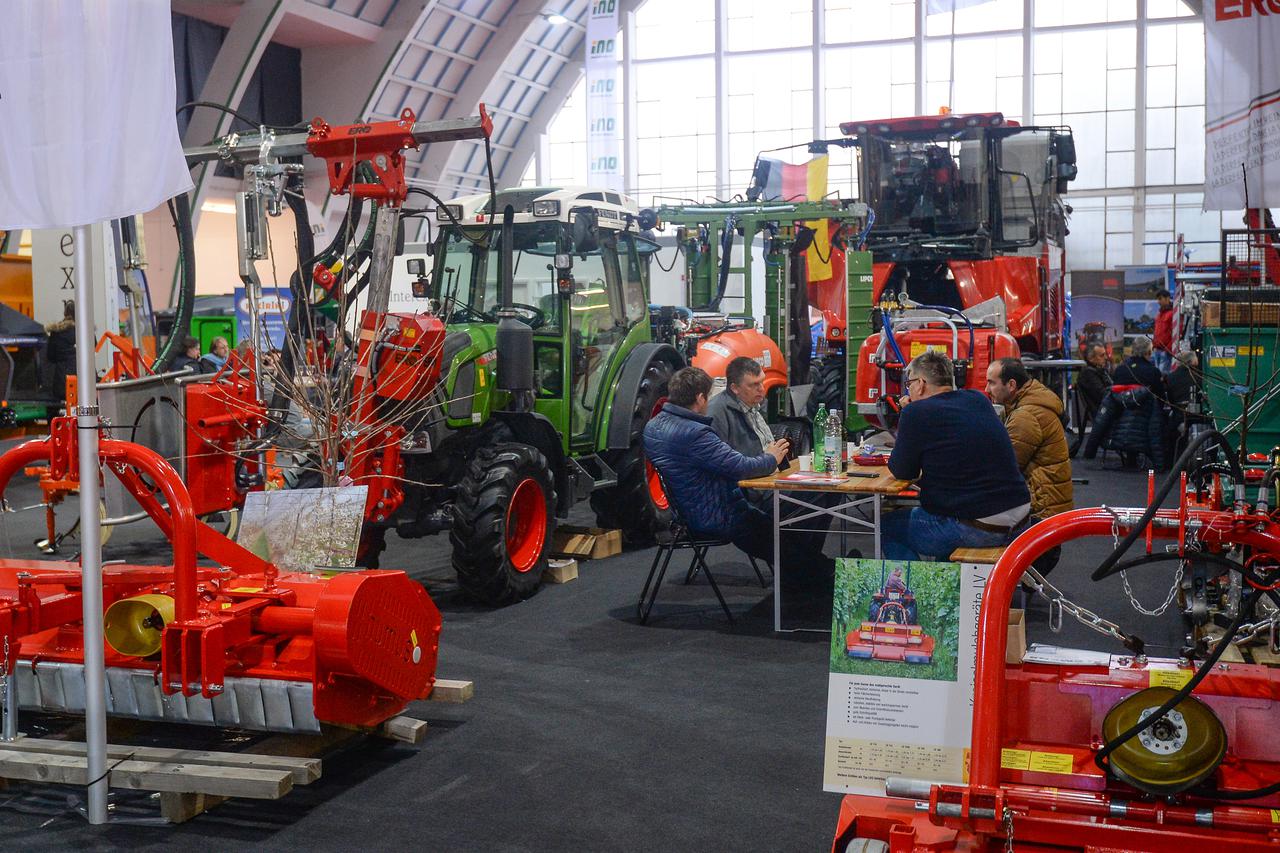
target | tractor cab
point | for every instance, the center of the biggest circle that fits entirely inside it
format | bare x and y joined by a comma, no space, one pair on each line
579,283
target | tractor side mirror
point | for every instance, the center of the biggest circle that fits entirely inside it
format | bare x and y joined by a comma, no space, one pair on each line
419,285
584,232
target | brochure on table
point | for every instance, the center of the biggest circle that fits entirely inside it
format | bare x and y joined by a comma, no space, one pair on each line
900,695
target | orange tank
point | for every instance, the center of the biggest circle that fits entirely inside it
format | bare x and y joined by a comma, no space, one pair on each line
714,354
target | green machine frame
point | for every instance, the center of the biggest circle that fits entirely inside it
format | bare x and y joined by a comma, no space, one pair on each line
700,235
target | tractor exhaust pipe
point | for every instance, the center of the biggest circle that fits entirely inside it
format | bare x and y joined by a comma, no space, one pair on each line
515,338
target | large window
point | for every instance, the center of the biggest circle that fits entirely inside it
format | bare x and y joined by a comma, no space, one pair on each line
1138,129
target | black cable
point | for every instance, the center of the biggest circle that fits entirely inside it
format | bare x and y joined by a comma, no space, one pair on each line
1193,448
180,210
190,105
674,257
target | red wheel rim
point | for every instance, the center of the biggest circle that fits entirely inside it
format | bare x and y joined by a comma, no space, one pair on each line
656,493
526,525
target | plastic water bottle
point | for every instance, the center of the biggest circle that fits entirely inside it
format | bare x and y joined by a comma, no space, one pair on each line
819,437
831,445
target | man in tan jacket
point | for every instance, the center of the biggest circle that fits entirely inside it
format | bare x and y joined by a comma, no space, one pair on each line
1033,417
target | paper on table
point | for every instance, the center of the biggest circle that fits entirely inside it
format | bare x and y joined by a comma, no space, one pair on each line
820,479
1059,656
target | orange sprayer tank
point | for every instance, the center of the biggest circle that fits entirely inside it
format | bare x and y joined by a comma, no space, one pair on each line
715,353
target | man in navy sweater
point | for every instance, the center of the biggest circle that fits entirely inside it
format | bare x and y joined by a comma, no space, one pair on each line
972,494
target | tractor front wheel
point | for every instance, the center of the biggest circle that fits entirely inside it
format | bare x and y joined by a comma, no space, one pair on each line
828,385
503,520
637,505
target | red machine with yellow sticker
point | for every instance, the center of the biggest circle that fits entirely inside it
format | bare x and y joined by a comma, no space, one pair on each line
967,245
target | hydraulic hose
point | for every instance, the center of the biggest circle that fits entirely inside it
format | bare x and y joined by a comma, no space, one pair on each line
860,241
726,251
886,323
1104,569
946,309
187,285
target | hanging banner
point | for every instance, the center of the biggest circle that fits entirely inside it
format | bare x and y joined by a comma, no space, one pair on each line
1242,104
604,82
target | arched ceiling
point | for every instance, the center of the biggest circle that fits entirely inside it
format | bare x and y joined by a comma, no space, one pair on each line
369,59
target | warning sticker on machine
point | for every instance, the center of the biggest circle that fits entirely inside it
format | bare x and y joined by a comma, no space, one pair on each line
1039,762
1174,678
918,347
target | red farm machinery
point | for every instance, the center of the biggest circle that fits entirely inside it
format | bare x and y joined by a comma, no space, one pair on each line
1118,751
892,630
968,245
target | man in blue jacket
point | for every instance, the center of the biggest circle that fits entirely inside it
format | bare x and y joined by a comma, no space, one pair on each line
701,473
972,494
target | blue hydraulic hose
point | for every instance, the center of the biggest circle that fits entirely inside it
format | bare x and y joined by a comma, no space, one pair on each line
887,324
952,311
861,240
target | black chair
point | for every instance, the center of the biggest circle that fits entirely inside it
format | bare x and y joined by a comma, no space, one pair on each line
678,537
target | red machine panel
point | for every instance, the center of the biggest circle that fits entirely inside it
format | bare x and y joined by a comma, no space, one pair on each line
405,354
219,415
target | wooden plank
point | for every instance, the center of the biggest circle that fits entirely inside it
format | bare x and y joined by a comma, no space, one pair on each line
452,691
404,730
180,808
983,556
560,571
148,775
303,770
881,483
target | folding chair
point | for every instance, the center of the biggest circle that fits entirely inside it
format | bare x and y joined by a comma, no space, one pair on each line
678,537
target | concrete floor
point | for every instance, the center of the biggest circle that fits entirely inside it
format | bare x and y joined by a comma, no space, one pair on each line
587,731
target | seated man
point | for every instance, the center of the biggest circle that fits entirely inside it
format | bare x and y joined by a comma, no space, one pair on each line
736,417
701,473
971,492
1137,369
1033,417
189,357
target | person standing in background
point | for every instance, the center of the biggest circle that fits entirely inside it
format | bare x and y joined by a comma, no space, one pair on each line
60,352
1162,339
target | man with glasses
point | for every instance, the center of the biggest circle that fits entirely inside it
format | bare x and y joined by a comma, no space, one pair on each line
972,494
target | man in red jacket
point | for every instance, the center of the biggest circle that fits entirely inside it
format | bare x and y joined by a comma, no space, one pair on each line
1162,340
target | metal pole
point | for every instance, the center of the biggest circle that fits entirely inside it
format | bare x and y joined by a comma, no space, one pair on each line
95,710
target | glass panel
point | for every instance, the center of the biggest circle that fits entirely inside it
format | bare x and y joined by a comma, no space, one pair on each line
675,130
669,28
466,279
635,300
566,163
1061,12
1086,246
869,20
938,186
982,18
597,327
756,24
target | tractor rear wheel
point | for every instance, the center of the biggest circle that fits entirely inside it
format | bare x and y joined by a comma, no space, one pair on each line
503,520
828,385
637,505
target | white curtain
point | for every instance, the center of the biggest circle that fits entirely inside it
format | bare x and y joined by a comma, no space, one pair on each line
87,98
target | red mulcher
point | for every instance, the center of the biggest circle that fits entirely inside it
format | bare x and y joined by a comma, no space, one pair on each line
1124,763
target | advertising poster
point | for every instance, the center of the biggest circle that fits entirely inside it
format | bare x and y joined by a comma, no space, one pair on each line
273,315
900,695
604,85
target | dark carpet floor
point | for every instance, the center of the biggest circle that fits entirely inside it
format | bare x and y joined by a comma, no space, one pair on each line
587,731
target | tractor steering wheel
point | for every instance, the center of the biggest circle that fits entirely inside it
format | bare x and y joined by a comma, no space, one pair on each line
537,317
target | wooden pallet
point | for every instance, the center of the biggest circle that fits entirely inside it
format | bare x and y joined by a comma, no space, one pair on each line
191,781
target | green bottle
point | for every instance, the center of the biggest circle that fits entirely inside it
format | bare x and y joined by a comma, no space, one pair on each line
819,437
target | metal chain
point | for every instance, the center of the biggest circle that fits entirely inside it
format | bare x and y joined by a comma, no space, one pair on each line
1173,592
1007,822
1059,604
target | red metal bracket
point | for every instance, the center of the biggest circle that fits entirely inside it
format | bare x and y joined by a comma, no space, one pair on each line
377,143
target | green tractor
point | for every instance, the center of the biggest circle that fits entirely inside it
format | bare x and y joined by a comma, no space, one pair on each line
549,374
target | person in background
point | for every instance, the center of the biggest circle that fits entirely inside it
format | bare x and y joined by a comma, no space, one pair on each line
1163,336
701,474
1178,387
60,352
242,350
736,417
1137,369
1093,381
189,358
972,494
212,361
1033,417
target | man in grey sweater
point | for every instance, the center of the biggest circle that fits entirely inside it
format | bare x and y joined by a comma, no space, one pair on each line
736,417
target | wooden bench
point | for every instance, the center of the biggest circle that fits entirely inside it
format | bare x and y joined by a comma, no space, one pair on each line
982,556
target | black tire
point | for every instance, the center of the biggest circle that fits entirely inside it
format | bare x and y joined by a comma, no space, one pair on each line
873,614
827,375
630,505
797,432
913,617
481,513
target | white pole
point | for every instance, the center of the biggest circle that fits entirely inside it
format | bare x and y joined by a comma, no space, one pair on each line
95,695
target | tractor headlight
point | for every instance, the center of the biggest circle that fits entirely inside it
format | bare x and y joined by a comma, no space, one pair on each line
449,213
547,207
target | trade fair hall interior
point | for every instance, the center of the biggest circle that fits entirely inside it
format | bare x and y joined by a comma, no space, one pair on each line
563,425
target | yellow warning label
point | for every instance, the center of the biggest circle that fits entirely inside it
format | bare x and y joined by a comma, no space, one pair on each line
888,629
480,377
1051,762
1222,362
918,347
1174,678
1275,815
1015,759
246,589
413,636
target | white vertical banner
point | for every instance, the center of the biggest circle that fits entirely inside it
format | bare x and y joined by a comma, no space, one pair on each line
1242,104
604,83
